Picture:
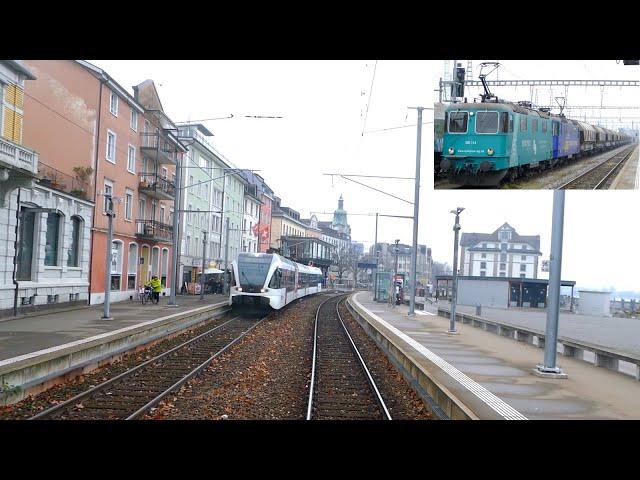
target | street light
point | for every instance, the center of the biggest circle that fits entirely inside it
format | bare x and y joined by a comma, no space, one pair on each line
454,287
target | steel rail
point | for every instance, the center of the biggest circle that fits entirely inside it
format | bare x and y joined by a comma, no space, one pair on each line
191,374
87,393
313,362
624,157
372,383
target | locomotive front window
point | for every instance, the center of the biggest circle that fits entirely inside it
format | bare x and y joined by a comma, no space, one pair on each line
487,122
253,270
458,122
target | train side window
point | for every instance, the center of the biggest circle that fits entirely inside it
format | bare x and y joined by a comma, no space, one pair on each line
544,126
555,129
510,123
504,122
534,125
523,123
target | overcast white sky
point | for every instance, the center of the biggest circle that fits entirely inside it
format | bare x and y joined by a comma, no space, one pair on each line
324,104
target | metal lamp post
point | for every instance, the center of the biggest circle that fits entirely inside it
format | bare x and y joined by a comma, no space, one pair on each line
107,275
549,368
454,287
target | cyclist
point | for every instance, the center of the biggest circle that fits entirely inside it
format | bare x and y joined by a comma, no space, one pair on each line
156,286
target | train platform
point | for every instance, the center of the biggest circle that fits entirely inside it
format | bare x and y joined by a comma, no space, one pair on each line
492,376
629,176
36,349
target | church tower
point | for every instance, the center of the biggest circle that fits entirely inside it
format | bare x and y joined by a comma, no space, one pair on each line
339,222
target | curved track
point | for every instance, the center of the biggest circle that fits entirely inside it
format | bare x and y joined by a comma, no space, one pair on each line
600,176
341,386
134,392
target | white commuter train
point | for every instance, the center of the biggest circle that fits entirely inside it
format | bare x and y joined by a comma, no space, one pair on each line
263,279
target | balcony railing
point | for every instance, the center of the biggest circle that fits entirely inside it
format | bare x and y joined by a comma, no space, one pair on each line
18,156
157,186
152,230
57,180
166,153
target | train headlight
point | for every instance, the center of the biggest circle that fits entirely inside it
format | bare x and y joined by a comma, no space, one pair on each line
489,151
239,289
451,150
263,290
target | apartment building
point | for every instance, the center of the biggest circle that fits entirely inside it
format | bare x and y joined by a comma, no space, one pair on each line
503,253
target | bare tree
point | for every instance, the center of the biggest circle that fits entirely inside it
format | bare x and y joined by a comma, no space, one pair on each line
345,260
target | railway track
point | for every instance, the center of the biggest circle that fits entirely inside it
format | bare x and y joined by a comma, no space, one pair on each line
600,176
341,386
132,393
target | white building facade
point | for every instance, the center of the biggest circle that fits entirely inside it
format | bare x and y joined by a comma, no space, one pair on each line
503,253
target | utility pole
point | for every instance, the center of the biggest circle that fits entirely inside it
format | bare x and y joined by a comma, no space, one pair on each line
107,275
549,368
454,288
395,274
175,259
204,251
375,252
226,255
416,208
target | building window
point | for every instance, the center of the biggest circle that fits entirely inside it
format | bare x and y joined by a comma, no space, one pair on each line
484,255
483,264
503,274
522,275
132,266
524,258
108,192
111,146
161,213
523,267
128,204
503,266
52,236
483,273
25,246
503,257
113,104
73,255
484,245
131,159
116,264
164,172
134,120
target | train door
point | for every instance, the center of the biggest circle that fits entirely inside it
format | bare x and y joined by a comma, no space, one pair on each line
555,134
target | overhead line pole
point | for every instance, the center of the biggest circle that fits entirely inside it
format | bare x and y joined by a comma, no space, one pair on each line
416,208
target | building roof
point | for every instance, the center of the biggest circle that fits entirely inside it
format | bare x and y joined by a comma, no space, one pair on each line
471,239
112,83
564,283
18,66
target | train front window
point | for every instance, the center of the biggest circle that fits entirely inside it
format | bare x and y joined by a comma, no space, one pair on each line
487,122
458,122
253,270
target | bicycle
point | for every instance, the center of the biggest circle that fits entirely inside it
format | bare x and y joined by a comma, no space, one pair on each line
146,295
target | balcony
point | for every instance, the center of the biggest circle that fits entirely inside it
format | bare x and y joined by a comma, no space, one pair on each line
51,178
156,186
156,146
18,168
17,156
154,231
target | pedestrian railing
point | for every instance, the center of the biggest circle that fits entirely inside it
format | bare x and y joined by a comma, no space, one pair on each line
605,357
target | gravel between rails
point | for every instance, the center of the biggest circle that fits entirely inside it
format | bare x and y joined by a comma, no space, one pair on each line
266,375
401,400
32,405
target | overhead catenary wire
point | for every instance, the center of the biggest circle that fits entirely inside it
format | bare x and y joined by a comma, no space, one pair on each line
366,114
